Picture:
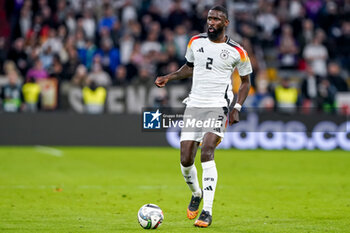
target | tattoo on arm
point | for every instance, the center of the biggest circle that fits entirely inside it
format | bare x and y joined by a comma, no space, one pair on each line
184,72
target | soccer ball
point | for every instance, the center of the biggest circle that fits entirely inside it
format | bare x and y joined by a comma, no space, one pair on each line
150,216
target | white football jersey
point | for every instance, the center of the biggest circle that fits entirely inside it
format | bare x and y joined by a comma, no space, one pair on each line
213,67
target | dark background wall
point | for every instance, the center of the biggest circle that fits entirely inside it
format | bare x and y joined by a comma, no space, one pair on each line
253,131
76,129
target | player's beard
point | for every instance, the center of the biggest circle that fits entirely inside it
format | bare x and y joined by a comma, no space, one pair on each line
214,35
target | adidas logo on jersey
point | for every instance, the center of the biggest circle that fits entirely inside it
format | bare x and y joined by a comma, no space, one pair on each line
201,50
209,188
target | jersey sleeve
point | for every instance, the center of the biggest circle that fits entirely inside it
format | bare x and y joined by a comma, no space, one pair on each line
189,53
244,66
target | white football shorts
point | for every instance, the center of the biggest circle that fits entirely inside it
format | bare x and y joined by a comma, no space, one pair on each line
199,121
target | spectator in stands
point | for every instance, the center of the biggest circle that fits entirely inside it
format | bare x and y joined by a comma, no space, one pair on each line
326,96
31,95
37,72
62,32
146,22
116,34
108,19
309,89
40,5
53,41
329,19
56,69
134,28
177,15
335,77
94,98
155,27
262,99
126,47
313,8
61,11
80,77
129,12
163,7
11,93
121,76
144,78
343,45
307,34
87,54
248,31
166,58
72,63
181,39
110,57
282,12
286,96
288,49
38,29
103,34
47,17
80,41
268,23
70,22
296,21
46,57
168,38
12,9
150,63
99,76
151,44
89,24
136,57
24,22
19,56
316,55
10,66
295,8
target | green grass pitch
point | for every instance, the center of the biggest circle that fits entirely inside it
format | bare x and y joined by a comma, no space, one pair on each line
91,189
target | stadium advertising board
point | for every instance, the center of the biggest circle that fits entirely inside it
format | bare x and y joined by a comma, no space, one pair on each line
279,131
266,131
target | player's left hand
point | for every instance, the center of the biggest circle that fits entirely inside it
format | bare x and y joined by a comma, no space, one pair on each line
234,117
161,81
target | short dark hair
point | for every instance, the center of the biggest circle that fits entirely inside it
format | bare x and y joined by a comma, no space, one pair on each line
220,8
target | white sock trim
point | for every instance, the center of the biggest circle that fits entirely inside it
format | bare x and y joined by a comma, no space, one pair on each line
191,178
208,164
186,169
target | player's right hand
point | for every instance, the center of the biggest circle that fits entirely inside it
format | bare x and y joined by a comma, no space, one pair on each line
161,81
234,117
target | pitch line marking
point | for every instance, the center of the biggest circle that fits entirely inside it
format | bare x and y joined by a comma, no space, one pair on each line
49,150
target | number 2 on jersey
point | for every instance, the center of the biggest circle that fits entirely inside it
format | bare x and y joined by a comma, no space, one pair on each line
209,63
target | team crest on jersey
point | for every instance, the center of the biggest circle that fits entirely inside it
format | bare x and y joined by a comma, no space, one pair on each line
224,54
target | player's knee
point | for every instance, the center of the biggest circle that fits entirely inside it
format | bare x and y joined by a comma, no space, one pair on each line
186,161
207,153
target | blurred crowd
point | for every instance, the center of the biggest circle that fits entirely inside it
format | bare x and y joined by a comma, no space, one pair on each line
299,49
